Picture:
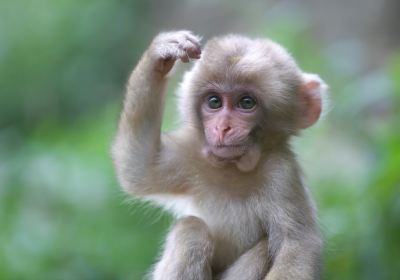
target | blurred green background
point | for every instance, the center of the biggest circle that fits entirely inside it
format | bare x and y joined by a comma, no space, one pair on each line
63,66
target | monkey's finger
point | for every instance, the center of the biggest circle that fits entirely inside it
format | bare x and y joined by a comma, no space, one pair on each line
194,55
185,58
181,54
191,49
193,52
194,39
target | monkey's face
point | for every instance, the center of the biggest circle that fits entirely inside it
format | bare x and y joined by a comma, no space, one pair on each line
247,95
229,120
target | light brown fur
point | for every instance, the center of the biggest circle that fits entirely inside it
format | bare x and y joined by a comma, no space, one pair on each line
250,220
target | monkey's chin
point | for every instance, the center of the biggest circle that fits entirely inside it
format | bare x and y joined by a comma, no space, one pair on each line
228,153
246,158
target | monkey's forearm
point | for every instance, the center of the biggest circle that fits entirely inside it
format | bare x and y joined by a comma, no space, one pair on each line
187,254
141,118
138,138
252,265
143,103
298,260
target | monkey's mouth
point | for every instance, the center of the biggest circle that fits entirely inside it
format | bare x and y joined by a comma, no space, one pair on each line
228,152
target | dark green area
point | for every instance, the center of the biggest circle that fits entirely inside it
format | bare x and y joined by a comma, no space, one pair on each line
63,66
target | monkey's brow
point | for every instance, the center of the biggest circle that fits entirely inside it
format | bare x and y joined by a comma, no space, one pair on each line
214,84
210,86
226,87
223,86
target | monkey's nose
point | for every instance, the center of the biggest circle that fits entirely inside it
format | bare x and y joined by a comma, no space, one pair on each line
222,131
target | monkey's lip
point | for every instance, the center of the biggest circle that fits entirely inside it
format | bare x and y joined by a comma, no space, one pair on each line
228,152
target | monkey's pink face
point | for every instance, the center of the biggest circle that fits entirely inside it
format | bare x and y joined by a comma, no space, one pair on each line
229,120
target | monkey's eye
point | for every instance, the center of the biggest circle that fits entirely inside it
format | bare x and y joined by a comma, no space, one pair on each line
247,103
214,102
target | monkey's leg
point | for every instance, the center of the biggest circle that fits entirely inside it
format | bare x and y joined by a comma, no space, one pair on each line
188,252
252,265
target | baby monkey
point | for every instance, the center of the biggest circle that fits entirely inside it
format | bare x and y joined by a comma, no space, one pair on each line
228,172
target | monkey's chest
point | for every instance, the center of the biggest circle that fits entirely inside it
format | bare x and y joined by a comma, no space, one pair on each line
234,225
235,229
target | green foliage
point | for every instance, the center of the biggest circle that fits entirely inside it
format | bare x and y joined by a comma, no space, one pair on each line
62,214
65,57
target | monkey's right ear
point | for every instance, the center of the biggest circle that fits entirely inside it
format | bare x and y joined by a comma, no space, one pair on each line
313,93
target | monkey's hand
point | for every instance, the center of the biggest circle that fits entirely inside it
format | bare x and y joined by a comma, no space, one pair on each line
168,47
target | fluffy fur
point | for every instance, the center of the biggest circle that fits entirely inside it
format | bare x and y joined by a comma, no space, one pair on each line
235,223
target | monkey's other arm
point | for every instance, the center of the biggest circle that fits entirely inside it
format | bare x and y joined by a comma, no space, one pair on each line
138,146
188,252
252,265
297,259
294,239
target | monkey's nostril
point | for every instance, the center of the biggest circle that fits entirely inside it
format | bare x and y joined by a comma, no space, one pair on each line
222,128
222,131
226,129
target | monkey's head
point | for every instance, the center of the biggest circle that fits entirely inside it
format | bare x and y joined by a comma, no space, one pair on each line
246,94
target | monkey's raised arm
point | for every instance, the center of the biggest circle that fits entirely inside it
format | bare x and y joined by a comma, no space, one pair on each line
294,239
137,147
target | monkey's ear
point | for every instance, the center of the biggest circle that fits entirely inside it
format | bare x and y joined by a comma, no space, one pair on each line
313,93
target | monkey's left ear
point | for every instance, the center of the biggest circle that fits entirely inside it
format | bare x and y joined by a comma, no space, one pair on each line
312,97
